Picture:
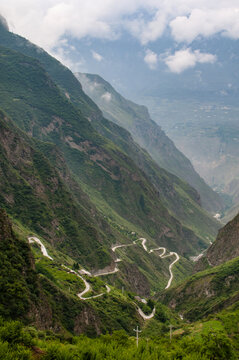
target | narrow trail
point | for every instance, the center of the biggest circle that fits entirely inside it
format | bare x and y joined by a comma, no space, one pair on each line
116,269
162,256
87,286
170,268
146,317
33,239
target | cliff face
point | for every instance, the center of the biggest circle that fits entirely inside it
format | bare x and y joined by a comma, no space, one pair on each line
226,246
216,287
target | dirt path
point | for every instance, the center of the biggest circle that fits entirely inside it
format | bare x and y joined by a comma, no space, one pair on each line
33,239
162,256
116,269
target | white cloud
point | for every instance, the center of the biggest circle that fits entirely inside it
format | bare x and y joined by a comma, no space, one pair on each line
96,56
106,96
148,31
204,22
46,22
151,59
186,58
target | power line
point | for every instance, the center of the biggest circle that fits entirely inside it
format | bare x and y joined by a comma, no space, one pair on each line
137,335
171,326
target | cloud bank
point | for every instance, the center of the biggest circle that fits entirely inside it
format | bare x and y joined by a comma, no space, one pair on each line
185,59
48,23
45,22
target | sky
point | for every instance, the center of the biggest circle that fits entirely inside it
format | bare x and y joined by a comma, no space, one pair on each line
50,23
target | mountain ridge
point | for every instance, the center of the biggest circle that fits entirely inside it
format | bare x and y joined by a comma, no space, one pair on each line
135,118
51,117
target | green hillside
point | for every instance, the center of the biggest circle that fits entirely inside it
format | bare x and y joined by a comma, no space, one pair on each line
32,191
95,237
108,175
206,292
41,292
214,288
148,135
180,198
163,150
39,297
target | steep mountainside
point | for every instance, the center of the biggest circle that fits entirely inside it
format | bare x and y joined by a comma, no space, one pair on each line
226,246
208,133
48,202
179,197
33,192
108,175
31,293
206,292
18,280
148,134
154,139
216,287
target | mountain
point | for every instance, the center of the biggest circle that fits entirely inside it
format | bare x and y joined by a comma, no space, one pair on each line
225,247
182,201
78,188
50,203
208,134
71,88
147,134
42,292
18,280
126,200
154,140
37,293
35,194
34,292
215,284
109,176
206,292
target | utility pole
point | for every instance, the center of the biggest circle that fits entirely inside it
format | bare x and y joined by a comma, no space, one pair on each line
171,326
137,335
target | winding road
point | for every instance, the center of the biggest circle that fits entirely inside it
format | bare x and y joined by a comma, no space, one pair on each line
87,286
162,256
81,296
146,317
33,239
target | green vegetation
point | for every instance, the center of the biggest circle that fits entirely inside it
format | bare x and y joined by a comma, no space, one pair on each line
69,283
148,134
18,281
49,152
33,192
181,200
51,174
208,341
206,292
109,183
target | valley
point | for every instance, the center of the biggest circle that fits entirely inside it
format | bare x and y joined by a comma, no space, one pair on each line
116,269
112,246
207,133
